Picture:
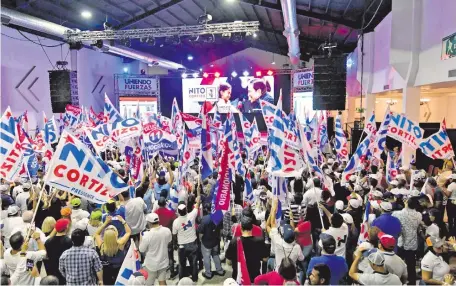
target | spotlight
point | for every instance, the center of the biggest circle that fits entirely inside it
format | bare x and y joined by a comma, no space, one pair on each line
254,35
273,63
270,72
184,75
217,74
349,63
97,43
237,37
86,14
245,73
203,19
258,74
201,69
126,42
107,26
212,66
195,75
190,57
226,35
234,74
209,39
125,69
143,71
193,39
205,75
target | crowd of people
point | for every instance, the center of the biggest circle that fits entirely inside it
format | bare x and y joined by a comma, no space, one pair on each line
363,231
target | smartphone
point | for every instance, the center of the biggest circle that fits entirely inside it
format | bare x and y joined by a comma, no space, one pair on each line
29,264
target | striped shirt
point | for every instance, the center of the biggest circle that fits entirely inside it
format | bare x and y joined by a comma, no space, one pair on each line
295,208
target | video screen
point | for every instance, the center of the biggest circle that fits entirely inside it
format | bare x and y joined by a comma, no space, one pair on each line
238,94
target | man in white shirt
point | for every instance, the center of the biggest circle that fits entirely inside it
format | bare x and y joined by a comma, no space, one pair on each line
13,221
184,236
380,276
313,195
22,263
154,244
284,245
79,217
134,214
21,199
338,230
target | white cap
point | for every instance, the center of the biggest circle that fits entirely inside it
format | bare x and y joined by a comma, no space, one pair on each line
352,178
354,203
386,206
4,188
152,217
339,205
394,183
185,281
373,176
13,210
377,194
347,218
330,161
230,282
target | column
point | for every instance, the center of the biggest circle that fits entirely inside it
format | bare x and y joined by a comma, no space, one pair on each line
410,107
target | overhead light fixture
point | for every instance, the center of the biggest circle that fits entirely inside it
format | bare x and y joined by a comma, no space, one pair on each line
184,75
107,26
201,69
195,75
237,37
97,43
237,21
204,19
226,35
190,57
217,74
425,99
273,63
234,74
125,69
212,66
258,74
86,14
205,75
270,72
254,35
209,38
126,42
245,73
193,39
349,63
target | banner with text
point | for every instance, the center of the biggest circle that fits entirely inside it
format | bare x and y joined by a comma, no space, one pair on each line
405,130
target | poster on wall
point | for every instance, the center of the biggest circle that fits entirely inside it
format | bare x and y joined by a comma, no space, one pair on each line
136,85
240,94
128,108
303,80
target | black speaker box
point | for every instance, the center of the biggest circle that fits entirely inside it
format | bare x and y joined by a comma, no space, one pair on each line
64,89
330,80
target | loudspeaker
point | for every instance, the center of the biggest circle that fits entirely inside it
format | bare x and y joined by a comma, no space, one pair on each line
63,85
330,77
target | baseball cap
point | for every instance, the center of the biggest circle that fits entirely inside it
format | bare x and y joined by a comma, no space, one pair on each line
66,211
96,215
339,205
394,183
434,241
27,216
347,218
330,161
354,203
13,210
4,188
327,242
182,206
152,217
386,206
161,174
230,282
376,258
288,233
388,241
377,194
352,178
62,224
186,281
26,186
76,202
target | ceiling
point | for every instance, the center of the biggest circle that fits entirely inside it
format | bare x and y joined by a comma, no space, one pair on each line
318,20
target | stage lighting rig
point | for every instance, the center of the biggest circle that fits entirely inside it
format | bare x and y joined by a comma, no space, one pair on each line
204,19
235,29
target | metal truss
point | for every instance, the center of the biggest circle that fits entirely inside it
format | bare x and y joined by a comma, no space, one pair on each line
196,30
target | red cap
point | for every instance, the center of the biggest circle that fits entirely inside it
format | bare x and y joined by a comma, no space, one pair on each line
62,224
144,273
387,241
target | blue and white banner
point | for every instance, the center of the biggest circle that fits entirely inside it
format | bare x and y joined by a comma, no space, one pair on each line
391,168
125,129
341,142
130,265
405,130
380,139
75,169
371,128
111,114
100,137
11,155
51,132
157,139
206,146
438,145
355,160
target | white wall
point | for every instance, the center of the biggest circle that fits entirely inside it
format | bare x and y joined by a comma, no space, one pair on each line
19,56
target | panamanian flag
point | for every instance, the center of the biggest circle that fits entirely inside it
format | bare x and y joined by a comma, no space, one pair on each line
130,265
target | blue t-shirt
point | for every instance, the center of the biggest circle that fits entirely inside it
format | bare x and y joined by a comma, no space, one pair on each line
388,224
159,188
337,264
119,226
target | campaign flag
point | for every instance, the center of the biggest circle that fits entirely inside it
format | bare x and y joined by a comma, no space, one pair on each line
75,169
51,132
193,123
111,114
255,143
31,161
354,162
206,146
72,114
246,129
38,143
11,154
243,277
125,129
364,232
99,136
391,168
130,265
248,189
371,128
405,130
277,142
322,132
438,145
224,183
157,139
341,141
279,190
185,160
230,127
380,139
136,164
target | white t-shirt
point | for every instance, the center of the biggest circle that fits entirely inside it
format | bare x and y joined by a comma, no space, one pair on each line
21,200
436,265
283,249
12,261
184,227
154,244
134,215
9,224
379,279
312,196
393,263
340,235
